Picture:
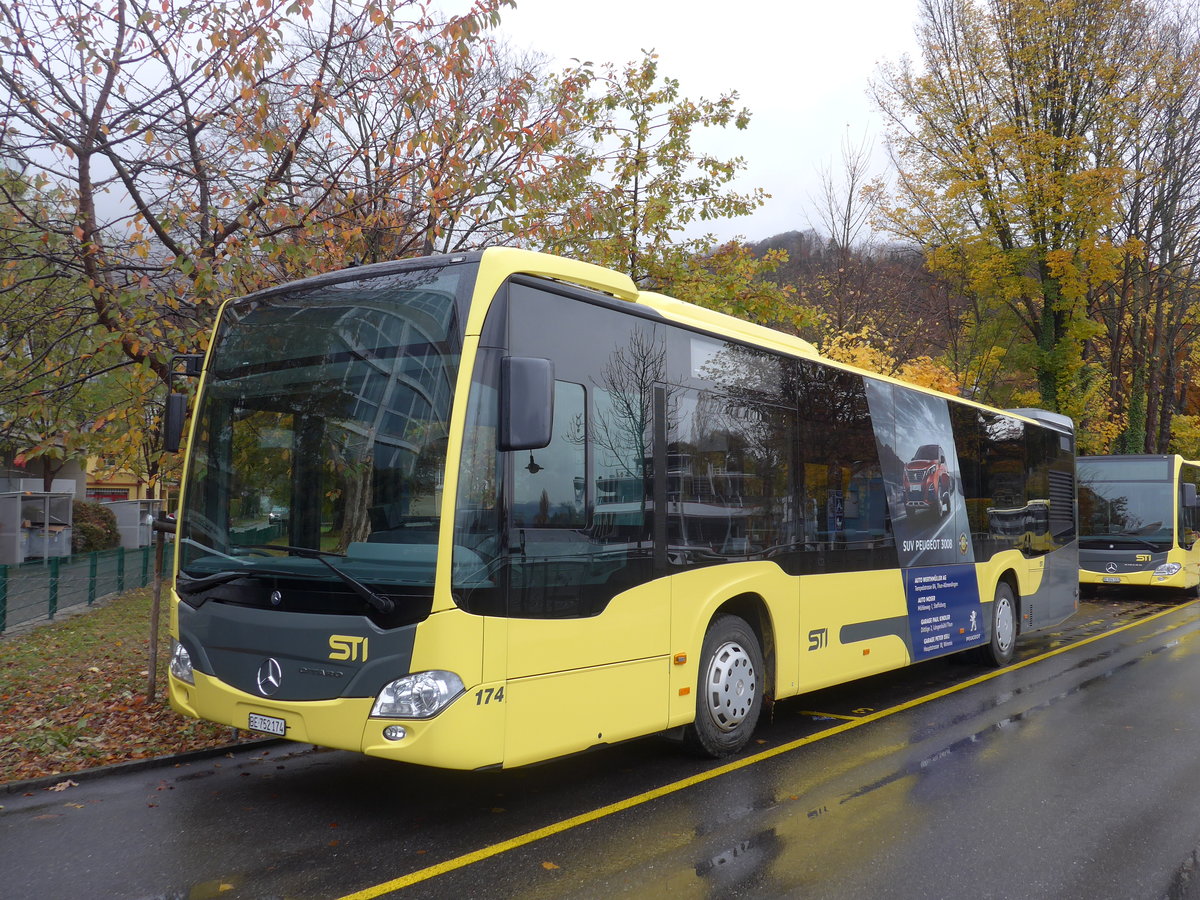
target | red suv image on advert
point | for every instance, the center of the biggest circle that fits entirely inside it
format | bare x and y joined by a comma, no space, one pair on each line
926,480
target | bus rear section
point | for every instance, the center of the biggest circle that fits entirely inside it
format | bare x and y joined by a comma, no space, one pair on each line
1139,520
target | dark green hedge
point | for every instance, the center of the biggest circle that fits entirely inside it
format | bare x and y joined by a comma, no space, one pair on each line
94,528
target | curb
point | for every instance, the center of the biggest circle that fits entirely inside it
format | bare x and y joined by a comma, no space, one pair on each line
134,765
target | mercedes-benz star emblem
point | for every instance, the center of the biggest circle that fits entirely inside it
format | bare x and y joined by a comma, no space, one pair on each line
276,598
270,676
1111,567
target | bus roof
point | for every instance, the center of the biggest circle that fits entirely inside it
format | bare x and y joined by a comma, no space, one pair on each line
500,262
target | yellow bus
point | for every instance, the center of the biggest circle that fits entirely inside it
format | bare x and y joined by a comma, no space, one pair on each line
1139,520
488,509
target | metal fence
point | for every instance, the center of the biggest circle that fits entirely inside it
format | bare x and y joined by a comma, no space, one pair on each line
39,590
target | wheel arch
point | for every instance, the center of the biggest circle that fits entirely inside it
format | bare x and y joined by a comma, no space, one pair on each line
1009,577
753,610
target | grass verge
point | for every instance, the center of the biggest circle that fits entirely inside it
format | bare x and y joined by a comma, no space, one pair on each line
73,694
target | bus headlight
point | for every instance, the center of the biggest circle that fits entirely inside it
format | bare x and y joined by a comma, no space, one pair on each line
181,662
417,696
1166,570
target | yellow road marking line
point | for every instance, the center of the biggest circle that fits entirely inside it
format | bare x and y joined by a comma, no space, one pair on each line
530,837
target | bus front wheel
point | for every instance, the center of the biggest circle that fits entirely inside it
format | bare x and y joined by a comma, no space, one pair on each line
730,689
1003,644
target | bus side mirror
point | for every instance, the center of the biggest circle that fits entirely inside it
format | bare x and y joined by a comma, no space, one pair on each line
176,409
1189,495
173,422
526,403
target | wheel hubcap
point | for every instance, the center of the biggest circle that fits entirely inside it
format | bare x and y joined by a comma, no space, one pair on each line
731,686
1004,623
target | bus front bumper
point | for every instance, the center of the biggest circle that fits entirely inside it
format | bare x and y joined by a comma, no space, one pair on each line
1183,579
459,737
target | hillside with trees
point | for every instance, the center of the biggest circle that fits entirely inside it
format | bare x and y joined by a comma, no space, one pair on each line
1046,156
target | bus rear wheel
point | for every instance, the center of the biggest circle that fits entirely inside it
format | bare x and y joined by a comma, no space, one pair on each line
999,650
729,694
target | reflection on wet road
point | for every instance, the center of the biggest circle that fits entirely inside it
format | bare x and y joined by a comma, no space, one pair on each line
1067,775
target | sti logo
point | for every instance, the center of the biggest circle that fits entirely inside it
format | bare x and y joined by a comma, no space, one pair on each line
347,646
1143,557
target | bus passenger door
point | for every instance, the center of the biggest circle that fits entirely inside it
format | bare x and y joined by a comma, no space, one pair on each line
587,659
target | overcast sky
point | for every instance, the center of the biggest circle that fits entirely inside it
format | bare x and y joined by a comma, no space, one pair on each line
800,66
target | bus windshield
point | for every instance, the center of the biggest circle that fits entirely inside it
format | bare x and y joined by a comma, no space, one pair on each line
322,430
1138,513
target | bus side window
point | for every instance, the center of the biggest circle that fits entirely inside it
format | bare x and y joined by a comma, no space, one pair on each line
728,472
549,484
968,441
550,571
1003,479
477,550
843,504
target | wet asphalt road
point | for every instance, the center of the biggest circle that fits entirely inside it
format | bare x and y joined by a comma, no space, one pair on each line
1073,774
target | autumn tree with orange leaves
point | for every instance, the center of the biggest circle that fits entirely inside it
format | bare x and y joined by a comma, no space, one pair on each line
197,153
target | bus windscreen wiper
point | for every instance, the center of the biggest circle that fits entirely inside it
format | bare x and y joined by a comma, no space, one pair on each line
381,602
1123,536
185,584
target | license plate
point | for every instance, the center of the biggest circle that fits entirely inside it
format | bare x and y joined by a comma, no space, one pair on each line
915,488
269,724
1110,579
